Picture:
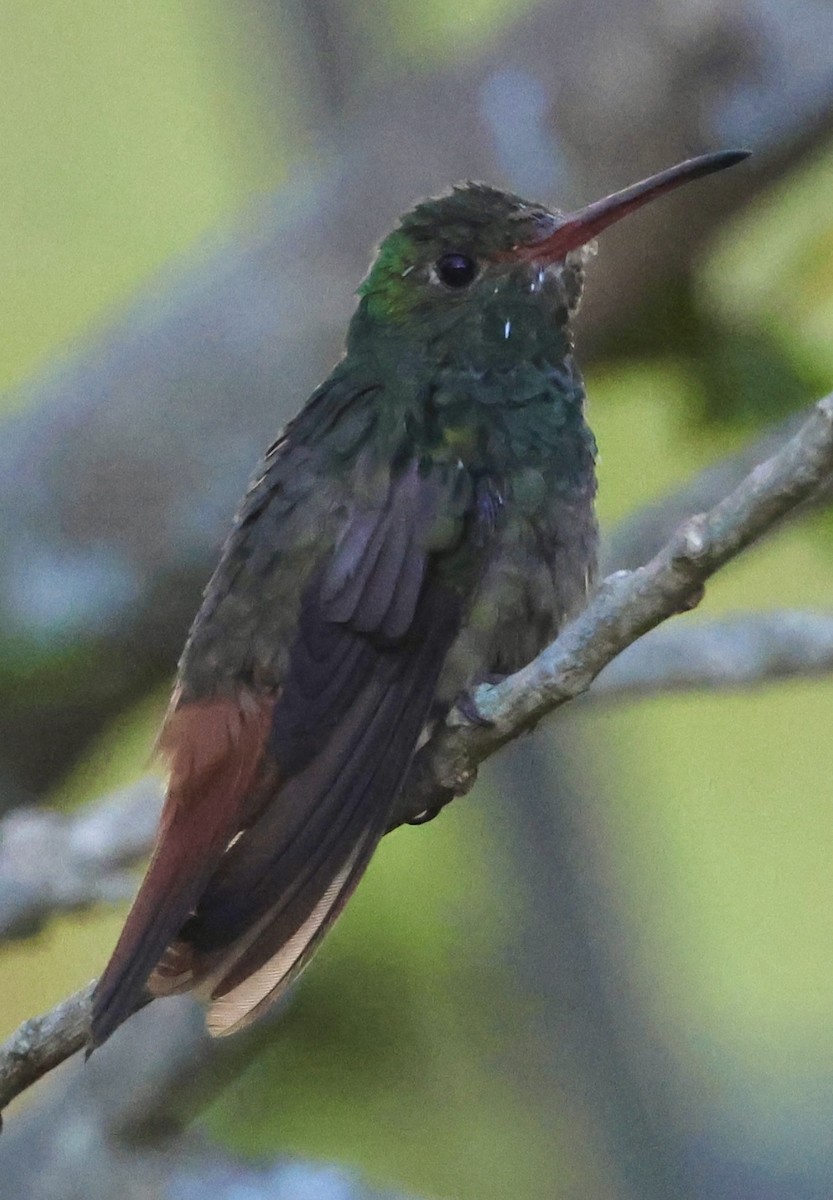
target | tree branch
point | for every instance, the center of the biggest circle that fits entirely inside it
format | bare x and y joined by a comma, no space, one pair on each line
627,605
43,1043
643,532
53,862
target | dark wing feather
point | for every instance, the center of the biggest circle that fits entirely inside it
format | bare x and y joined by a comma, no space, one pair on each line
368,564
375,626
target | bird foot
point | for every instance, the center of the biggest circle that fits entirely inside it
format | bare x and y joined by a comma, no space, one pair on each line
693,599
467,707
428,815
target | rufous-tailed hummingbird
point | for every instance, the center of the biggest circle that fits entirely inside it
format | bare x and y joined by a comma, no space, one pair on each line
424,523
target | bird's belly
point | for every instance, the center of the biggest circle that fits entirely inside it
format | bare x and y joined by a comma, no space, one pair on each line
535,581
511,620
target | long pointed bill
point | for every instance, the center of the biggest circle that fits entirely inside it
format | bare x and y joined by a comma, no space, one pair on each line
577,228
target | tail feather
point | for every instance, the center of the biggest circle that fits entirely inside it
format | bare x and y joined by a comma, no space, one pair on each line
215,749
243,1003
288,876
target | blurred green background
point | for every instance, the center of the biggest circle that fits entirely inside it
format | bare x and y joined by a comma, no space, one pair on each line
128,134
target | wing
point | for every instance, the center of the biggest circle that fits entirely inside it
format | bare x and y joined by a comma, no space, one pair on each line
281,814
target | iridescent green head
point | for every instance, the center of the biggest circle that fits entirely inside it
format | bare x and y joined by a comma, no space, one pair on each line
458,251
480,266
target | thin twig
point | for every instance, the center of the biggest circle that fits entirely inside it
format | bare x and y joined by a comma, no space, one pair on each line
43,1043
641,534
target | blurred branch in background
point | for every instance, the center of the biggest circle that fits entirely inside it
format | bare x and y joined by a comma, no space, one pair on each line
744,651
54,862
626,605
205,366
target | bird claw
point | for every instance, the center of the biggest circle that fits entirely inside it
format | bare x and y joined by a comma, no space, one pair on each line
466,705
428,815
462,783
693,599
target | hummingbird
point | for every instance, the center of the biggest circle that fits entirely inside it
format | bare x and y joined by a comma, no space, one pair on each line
425,523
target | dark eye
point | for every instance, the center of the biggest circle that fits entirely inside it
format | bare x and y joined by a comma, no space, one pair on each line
456,270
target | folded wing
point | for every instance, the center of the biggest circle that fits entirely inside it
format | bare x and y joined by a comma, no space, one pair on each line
312,801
